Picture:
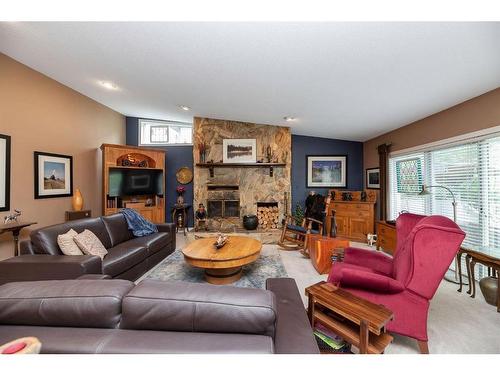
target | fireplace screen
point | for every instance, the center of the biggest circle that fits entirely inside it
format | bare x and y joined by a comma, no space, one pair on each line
231,208
214,208
223,208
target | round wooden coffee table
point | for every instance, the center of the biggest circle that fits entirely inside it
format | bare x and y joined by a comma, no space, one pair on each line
222,266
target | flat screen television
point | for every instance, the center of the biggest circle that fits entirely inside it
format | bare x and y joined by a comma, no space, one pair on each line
135,182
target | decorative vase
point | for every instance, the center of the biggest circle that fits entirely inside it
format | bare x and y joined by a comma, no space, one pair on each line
250,222
77,200
180,200
489,289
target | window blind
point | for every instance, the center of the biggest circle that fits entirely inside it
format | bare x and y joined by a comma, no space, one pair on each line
471,170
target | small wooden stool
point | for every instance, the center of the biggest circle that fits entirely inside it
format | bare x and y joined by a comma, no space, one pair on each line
321,250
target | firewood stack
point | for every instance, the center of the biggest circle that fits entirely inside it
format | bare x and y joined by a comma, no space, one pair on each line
268,217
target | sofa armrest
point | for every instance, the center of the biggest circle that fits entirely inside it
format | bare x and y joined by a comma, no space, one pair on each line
48,267
168,228
375,260
294,334
355,278
26,248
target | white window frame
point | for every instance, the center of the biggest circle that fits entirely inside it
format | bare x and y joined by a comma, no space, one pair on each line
162,123
427,149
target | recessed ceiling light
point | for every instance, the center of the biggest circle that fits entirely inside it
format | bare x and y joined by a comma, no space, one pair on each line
184,107
108,85
289,118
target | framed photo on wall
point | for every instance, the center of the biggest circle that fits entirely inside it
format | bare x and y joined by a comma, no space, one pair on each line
239,150
373,178
53,175
326,171
4,172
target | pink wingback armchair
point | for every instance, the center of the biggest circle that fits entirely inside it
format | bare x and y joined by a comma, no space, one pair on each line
426,246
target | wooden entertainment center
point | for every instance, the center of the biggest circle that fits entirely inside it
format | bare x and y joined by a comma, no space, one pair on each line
119,161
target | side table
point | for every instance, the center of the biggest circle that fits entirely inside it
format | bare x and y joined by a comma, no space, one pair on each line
76,215
15,228
472,257
358,321
179,217
322,249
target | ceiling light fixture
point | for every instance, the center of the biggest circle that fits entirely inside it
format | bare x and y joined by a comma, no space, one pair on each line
184,107
289,118
108,85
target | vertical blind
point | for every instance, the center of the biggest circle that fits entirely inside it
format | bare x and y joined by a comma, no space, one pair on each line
471,170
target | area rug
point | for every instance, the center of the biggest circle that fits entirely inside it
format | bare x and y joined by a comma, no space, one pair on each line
174,268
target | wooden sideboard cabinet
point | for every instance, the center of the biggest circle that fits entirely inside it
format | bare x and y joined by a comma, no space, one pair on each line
386,237
355,218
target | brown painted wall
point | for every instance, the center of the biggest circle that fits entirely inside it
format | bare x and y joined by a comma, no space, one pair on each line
41,114
475,114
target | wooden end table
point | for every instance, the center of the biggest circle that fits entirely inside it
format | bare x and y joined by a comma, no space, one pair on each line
358,321
472,257
321,250
15,228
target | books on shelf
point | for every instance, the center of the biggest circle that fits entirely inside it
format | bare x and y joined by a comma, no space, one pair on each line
329,339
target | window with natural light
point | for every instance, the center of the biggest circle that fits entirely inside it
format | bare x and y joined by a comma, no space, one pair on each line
165,133
471,170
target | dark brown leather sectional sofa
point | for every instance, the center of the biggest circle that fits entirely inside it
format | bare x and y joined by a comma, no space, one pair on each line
128,257
116,316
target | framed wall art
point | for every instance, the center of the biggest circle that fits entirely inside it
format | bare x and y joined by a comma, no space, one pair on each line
239,150
326,171
373,178
4,172
53,175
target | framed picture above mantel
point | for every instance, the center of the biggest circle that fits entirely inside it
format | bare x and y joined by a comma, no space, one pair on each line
53,175
4,172
326,171
239,150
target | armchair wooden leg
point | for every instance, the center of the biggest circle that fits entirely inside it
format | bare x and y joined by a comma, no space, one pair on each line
423,346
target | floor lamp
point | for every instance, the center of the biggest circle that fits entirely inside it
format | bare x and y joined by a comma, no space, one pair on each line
425,191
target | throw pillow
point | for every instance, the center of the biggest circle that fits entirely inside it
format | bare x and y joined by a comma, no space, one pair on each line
90,244
67,245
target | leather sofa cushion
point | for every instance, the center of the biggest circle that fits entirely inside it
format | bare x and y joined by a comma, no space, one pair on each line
117,228
59,340
156,305
153,242
45,239
122,257
66,303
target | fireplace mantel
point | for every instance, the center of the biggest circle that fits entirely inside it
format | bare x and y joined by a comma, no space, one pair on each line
211,166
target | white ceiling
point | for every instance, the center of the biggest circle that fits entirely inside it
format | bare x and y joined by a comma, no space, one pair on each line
341,80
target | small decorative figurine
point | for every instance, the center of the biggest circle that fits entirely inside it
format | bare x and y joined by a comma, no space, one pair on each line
12,217
371,239
220,241
201,217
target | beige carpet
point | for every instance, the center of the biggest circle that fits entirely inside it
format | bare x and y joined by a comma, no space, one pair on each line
457,323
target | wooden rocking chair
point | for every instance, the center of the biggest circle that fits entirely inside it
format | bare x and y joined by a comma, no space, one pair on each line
295,237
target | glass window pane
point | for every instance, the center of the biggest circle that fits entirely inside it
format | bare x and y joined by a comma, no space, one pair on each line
164,133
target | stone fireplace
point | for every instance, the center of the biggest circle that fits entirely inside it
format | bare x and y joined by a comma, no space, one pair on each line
233,192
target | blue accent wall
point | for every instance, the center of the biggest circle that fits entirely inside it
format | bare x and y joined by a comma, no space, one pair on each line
177,156
304,145
182,156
